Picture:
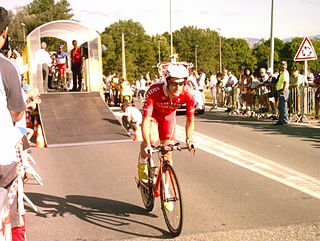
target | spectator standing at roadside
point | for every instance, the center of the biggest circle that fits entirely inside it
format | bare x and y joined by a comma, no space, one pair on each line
283,93
202,83
202,80
214,81
317,96
297,84
222,86
273,97
193,77
43,58
76,66
137,88
231,84
107,88
263,91
115,82
245,98
143,88
12,107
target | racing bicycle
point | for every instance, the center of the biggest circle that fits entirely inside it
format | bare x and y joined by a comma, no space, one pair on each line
163,183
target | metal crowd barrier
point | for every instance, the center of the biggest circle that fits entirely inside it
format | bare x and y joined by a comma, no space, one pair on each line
301,102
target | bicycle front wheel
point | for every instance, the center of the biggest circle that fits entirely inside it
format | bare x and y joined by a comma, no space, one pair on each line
171,201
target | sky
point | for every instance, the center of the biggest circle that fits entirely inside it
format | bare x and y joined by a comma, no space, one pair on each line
233,18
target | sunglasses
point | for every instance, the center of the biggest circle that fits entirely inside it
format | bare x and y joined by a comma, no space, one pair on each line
175,84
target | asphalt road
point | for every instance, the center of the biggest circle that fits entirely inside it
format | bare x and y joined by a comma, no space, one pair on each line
89,192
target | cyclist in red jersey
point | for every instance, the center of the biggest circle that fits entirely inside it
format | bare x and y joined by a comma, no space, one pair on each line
161,101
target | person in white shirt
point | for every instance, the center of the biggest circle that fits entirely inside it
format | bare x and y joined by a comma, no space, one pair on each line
229,90
193,77
214,80
143,87
132,117
43,58
202,80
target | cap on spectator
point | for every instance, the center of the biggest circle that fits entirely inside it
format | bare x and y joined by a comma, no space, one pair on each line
270,70
61,46
284,63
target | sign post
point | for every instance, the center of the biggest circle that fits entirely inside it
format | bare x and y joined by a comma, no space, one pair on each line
305,52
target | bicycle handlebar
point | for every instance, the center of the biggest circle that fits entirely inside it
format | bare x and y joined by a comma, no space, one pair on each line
170,147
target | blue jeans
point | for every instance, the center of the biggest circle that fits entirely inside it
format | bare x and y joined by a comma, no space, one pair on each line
283,106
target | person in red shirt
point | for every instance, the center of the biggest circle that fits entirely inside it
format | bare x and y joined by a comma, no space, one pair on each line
161,101
76,66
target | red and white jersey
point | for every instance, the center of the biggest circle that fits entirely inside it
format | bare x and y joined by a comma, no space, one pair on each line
159,106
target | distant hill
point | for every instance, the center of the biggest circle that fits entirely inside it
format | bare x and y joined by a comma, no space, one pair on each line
253,41
315,37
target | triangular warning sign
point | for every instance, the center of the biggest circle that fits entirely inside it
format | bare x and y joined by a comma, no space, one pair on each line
306,51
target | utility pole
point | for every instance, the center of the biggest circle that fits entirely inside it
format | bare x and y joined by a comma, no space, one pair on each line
171,39
196,57
220,54
24,32
159,60
124,75
271,57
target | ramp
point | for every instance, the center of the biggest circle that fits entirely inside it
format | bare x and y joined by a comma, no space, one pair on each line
70,119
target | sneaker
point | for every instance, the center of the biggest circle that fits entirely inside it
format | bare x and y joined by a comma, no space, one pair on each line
142,172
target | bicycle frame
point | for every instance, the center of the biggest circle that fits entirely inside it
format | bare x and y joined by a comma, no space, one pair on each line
162,150
160,175
163,183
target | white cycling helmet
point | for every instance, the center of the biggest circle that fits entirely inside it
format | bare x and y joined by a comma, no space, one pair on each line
176,70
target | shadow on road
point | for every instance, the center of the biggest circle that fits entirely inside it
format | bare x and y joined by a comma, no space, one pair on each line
105,213
112,121
305,132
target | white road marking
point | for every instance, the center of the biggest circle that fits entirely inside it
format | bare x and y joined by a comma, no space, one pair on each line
255,163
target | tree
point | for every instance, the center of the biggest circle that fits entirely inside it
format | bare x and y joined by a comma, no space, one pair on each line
189,41
37,13
139,49
237,53
261,51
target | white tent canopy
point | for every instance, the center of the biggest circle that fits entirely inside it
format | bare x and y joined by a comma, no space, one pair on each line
66,30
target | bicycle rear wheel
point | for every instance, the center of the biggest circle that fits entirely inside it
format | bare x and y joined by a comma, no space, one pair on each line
171,201
146,190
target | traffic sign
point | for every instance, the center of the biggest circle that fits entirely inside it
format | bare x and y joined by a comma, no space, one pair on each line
306,51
